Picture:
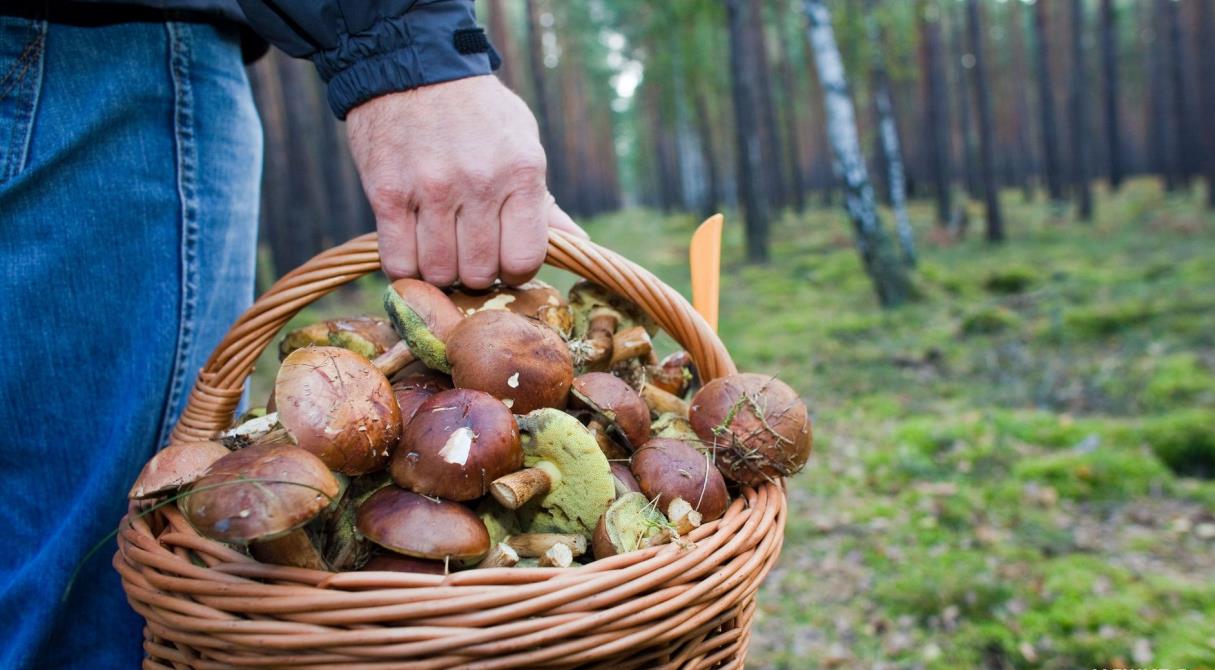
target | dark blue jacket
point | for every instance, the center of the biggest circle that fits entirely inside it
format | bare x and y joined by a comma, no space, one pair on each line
361,48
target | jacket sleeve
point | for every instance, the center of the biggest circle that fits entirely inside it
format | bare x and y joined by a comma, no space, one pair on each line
363,49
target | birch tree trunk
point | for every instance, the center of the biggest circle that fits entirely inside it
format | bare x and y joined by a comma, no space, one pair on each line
991,192
936,108
746,134
889,276
890,137
1079,116
1046,105
1109,69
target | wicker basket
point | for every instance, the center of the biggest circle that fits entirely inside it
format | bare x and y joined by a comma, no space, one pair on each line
208,606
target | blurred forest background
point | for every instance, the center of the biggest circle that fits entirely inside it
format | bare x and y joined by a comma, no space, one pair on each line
1013,469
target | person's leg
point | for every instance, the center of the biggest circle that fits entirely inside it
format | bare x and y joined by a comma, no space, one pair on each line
129,164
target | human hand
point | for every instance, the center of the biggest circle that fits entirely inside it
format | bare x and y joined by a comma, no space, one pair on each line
456,178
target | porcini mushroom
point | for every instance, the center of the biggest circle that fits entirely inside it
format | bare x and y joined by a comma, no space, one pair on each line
598,314
675,373
424,317
515,359
367,336
411,389
337,405
629,524
175,466
534,299
258,493
407,523
756,425
567,484
615,403
458,442
668,469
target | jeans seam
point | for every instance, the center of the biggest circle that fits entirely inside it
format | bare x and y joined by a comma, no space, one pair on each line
29,64
180,57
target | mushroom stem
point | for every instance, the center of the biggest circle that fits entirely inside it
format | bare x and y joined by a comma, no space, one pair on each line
683,516
500,556
630,343
599,331
394,359
517,488
530,545
663,402
557,556
607,445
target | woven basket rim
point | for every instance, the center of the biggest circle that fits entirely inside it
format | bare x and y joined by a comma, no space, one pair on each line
208,605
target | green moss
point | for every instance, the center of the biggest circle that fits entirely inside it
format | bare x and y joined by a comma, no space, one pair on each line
925,585
989,320
1101,474
1103,321
1179,380
1011,279
1184,441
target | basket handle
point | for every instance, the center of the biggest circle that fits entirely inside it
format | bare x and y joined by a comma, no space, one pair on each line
221,381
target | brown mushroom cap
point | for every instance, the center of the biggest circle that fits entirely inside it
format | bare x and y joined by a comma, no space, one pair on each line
414,387
458,442
174,467
757,426
616,402
337,405
414,525
534,299
668,469
424,317
623,479
515,359
399,563
368,336
259,493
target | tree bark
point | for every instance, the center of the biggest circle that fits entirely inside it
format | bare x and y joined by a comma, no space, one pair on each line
1109,69
889,276
746,133
788,79
1160,141
546,118
768,130
991,193
1046,105
936,107
500,35
1079,116
1020,78
1182,137
962,87
889,134
704,129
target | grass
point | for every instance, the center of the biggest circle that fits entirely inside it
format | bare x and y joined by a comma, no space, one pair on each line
1011,472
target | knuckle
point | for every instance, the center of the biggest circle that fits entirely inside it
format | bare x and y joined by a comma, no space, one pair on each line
388,201
523,261
436,187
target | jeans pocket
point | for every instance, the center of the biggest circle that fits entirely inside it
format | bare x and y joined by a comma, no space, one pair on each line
22,42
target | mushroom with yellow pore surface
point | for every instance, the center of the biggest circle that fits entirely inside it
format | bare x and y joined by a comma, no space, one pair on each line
631,523
535,300
424,317
567,484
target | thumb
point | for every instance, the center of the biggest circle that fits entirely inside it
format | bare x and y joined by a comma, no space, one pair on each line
558,219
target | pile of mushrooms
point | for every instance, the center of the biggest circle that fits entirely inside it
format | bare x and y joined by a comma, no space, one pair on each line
506,427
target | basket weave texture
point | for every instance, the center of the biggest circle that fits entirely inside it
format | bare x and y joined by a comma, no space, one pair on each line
209,606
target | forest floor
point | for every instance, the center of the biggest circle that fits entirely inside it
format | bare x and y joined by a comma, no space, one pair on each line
1014,471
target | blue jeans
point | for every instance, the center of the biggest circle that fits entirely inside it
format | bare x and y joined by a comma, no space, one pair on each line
130,158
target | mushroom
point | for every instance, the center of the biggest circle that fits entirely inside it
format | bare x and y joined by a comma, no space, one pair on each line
534,300
515,359
623,479
407,523
414,388
499,521
500,556
398,563
629,524
675,373
684,518
368,336
424,317
598,314
630,343
458,442
567,484
661,402
673,425
337,405
668,469
534,545
615,403
258,493
298,548
757,426
311,335
175,466
557,556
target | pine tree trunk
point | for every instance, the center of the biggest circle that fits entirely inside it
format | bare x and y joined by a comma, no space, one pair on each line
503,41
704,129
889,276
962,86
991,192
1025,147
936,108
795,186
550,135
1180,163
746,132
1206,74
1046,105
1078,106
1109,69
1160,141
768,130
889,134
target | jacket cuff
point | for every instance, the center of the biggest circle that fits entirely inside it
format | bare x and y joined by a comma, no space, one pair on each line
431,43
